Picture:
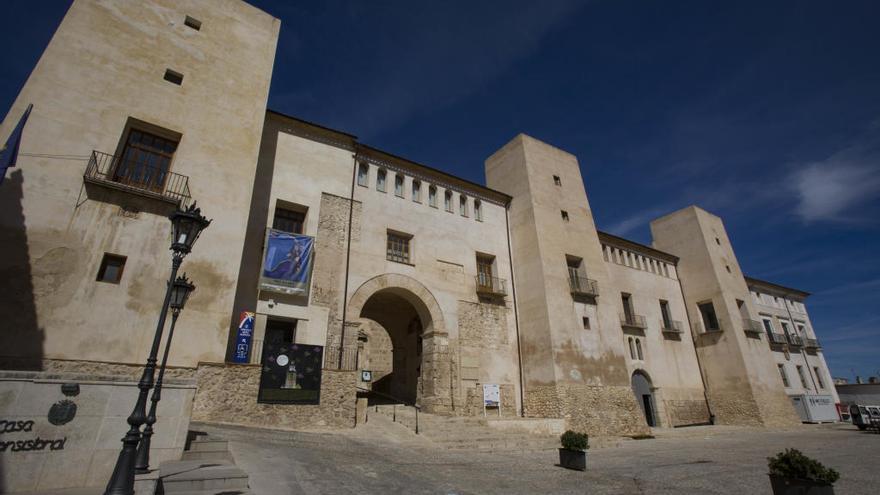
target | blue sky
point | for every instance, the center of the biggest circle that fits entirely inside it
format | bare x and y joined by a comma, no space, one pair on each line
765,113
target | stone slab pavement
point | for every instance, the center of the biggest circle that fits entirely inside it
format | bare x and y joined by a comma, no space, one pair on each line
387,458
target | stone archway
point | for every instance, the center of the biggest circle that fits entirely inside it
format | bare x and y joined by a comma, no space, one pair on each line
414,321
644,392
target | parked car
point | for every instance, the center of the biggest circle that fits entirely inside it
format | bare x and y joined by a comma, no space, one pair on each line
863,415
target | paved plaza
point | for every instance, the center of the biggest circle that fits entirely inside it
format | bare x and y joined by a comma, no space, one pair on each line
382,457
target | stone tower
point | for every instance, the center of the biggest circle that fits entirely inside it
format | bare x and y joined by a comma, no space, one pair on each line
742,382
559,275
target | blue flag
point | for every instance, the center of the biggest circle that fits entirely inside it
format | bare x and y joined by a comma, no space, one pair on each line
9,152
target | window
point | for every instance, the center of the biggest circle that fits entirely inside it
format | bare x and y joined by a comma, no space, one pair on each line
801,330
604,252
785,327
783,375
478,210
576,278
819,377
288,220
432,196
586,322
111,268
193,23
717,241
398,247
632,348
564,215
639,349
363,173
768,326
664,312
557,180
485,265
665,269
800,370
380,179
146,160
728,268
628,314
416,191
462,205
398,185
447,201
173,77
710,319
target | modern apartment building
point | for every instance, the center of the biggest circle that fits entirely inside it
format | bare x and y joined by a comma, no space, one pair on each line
333,268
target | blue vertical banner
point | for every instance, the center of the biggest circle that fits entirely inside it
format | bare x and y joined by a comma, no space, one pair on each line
243,338
287,263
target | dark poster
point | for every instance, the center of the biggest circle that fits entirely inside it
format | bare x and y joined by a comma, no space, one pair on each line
291,373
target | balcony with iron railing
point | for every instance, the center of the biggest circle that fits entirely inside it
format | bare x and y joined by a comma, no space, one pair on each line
490,286
671,327
776,338
700,329
795,340
583,286
137,178
811,344
633,321
752,326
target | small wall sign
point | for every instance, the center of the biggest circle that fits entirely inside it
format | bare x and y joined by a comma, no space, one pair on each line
366,376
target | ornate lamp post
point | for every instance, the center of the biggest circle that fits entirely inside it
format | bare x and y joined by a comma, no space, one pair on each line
186,225
180,291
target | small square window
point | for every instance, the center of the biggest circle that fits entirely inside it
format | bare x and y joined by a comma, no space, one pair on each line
173,77
717,241
557,180
111,268
728,268
193,23
586,321
564,215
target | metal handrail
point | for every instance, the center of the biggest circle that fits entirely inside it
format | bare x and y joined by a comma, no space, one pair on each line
487,284
672,327
104,168
795,340
583,286
811,343
776,338
633,321
413,405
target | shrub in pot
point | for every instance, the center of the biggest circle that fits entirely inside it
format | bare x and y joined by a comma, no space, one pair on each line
793,473
573,454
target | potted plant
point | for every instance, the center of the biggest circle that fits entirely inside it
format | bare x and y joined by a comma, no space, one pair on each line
573,454
793,473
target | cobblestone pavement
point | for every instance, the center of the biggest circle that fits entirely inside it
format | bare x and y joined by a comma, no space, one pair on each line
386,458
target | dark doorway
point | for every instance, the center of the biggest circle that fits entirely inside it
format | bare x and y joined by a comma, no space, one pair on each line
644,392
649,410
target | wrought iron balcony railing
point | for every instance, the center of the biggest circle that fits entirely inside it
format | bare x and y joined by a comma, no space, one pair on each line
795,340
752,326
699,328
583,286
138,178
633,321
492,286
776,338
671,326
811,343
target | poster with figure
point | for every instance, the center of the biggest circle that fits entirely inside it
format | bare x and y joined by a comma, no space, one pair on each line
491,395
287,263
243,338
291,373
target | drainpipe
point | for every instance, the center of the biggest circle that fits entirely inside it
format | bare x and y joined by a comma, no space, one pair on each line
522,402
354,168
697,354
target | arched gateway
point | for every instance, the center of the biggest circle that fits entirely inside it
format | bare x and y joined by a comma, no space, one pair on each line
405,340
644,392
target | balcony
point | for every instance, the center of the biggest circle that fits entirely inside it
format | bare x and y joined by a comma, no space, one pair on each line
776,338
812,344
752,326
700,329
582,286
633,321
671,327
491,286
137,178
795,340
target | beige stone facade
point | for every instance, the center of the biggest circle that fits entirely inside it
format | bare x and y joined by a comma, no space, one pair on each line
435,284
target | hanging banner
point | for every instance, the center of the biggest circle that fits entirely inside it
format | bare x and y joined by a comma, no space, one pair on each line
287,264
291,373
243,339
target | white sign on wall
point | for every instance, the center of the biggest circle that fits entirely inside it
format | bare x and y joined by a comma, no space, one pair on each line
491,395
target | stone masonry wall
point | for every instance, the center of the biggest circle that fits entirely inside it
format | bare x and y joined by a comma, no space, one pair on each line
732,407
596,410
93,368
482,325
228,394
687,412
474,402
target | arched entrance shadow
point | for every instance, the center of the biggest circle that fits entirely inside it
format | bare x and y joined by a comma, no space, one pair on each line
644,392
411,316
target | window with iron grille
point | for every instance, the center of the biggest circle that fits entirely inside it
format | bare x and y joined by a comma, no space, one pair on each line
397,247
288,220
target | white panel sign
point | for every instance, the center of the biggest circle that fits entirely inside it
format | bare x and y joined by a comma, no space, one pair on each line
491,395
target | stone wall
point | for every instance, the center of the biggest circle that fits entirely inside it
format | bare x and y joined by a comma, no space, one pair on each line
482,325
596,410
473,405
91,368
687,412
228,394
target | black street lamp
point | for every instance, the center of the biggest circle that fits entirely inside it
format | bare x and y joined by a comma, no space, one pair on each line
186,225
180,291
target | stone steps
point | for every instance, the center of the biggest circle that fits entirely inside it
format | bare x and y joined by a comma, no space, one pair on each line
189,476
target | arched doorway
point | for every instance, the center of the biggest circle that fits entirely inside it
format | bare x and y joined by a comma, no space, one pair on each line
393,345
644,392
403,313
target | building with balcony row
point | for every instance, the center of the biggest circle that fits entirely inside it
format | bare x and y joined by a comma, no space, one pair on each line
346,258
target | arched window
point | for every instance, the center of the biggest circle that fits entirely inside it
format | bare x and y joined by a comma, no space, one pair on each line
632,349
639,349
